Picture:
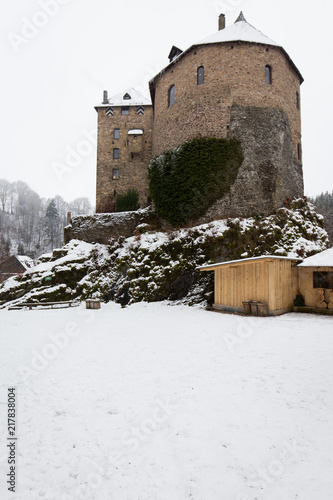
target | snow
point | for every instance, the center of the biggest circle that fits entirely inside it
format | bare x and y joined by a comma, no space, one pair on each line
26,261
322,259
261,257
242,31
137,99
76,249
154,402
135,131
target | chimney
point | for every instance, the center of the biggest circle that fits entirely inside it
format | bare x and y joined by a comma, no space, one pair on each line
221,22
105,97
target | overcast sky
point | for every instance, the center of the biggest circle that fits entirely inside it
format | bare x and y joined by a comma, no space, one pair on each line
59,55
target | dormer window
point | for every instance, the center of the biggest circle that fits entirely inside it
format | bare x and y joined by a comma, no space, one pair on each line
268,74
127,97
172,96
174,53
200,75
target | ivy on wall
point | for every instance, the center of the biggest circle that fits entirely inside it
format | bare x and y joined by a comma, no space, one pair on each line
186,181
128,202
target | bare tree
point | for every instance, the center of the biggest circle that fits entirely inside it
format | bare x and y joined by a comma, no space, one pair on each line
5,188
80,206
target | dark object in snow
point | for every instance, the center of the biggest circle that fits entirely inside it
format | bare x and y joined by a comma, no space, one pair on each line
299,300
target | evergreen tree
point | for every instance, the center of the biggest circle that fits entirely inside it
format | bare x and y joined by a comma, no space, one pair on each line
4,248
51,220
324,205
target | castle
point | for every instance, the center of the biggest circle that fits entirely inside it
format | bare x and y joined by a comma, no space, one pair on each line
237,83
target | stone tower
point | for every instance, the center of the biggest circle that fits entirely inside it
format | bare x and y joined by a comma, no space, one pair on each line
237,83
124,148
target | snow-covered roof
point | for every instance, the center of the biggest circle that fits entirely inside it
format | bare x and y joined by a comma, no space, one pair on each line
322,259
241,30
26,261
241,261
135,131
129,97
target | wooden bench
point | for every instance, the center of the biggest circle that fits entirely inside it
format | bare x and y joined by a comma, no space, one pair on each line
30,305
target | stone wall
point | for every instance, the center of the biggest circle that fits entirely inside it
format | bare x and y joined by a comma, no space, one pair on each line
234,75
134,156
270,173
100,228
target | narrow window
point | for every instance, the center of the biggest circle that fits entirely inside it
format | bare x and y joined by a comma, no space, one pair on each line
201,75
116,153
116,133
115,174
125,110
297,100
299,152
268,75
172,95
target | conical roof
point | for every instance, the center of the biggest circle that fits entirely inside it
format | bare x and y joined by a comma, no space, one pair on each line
242,31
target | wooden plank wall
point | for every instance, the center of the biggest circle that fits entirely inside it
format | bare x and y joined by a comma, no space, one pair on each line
306,284
272,281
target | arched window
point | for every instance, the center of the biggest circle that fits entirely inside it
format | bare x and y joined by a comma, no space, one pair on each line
268,75
201,75
172,95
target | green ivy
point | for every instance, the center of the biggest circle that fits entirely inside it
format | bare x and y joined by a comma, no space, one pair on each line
186,181
128,202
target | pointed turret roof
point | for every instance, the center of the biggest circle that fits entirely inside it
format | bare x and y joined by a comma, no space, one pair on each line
240,17
241,31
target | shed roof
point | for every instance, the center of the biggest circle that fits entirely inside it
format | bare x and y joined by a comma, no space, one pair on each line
322,259
211,267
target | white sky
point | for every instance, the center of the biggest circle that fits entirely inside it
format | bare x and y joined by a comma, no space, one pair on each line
50,84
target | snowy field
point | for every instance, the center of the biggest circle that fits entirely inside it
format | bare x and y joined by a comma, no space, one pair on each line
155,402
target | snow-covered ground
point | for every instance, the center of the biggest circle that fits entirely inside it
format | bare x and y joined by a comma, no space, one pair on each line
154,402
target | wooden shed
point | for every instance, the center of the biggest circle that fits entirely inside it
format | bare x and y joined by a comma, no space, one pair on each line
268,280
315,276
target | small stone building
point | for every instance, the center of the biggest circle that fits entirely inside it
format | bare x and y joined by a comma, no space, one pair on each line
268,280
236,83
16,264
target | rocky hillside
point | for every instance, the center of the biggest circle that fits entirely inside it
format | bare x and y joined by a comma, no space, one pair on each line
154,266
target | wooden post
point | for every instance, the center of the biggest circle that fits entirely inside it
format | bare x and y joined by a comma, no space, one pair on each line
93,304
